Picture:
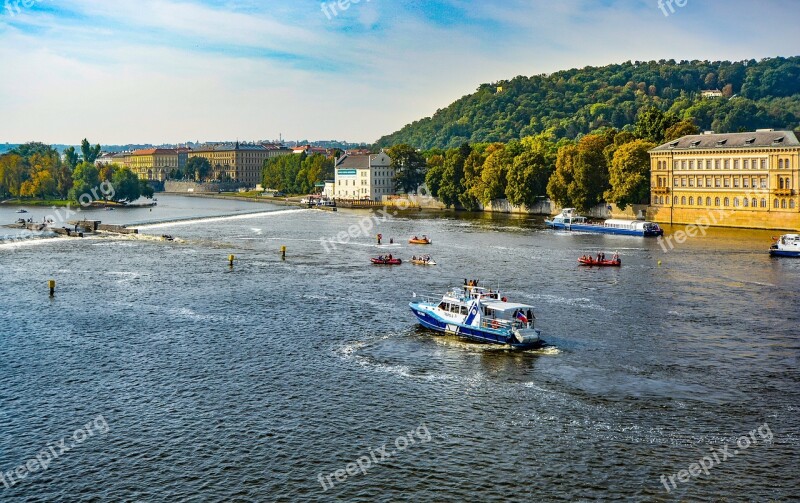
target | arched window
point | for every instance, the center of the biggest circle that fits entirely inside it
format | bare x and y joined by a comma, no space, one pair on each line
788,164
780,180
791,204
675,200
775,204
763,202
727,202
746,202
655,199
755,203
716,201
735,202
683,200
708,201
783,204
780,163
691,201
788,183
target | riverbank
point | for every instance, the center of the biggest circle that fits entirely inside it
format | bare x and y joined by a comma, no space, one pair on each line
59,203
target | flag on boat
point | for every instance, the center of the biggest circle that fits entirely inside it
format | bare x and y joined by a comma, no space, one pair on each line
522,317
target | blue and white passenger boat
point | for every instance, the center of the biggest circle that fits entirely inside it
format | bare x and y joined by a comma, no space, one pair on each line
787,245
479,315
568,220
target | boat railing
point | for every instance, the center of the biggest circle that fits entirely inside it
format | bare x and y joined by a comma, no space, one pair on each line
497,324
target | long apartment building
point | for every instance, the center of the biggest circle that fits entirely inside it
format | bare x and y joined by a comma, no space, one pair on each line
753,178
242,162
156,163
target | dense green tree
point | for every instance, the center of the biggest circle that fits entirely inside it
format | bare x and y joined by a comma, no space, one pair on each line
197,168
564,176
433,178
297,174
126,186
28,150
452,181
89,152
146,190
85,178
653,123
630,174
527,178
71,157
409,166
680,129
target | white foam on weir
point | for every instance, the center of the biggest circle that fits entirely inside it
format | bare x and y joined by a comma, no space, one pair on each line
31,242
215,219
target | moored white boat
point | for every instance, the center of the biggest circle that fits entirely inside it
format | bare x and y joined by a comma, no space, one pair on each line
479,315
787,245
570,221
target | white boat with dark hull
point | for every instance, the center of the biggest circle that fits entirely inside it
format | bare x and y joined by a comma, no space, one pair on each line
787,245
568,220
479,315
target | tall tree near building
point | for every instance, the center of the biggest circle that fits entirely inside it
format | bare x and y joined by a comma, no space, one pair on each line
653,123
581,174
198,168
630,174
564,176
71,157
452,181
409,167
433,178
89,152
680,129
126,186
85,178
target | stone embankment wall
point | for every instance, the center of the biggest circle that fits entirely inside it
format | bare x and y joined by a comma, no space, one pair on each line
194,187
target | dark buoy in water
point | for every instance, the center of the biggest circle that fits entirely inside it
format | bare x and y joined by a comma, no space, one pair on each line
283,253
52,285
231,258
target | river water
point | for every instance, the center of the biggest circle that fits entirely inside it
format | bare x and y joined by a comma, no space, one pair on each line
270,380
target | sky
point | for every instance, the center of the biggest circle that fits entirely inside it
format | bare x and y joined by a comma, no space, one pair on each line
172,71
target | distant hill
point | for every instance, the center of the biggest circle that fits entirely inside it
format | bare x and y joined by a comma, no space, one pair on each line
755,94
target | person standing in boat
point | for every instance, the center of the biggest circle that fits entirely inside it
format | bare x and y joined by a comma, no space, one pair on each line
530,317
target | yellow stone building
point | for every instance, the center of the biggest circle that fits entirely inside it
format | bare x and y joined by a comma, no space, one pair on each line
241,162
153,163
745,180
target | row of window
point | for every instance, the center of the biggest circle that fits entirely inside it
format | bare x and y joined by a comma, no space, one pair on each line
689,164
736,181
726,202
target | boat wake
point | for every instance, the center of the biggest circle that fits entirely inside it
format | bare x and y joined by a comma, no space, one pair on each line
561,301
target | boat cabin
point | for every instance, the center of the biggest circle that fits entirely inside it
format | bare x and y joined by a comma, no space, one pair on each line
568,216
630,225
